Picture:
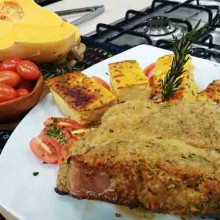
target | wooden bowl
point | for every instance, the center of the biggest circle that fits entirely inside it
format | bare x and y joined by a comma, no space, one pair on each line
13,109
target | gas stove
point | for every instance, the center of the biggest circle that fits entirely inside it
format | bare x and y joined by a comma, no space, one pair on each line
158,24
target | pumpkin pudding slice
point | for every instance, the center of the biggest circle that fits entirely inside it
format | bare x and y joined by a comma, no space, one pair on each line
80,98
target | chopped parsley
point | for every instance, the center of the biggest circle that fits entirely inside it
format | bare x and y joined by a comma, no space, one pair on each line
63,96
111,130
55,132
94,123
62,141
35,173
118,215
63,80
55,120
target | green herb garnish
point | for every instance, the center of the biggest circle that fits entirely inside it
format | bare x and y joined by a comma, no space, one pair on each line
181,48
63,80
62,141
94,123
35,173
55,132
55,120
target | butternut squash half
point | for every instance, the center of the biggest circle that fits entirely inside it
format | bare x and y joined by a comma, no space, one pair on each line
31,32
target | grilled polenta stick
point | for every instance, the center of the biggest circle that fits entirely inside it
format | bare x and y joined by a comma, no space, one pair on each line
128,81
188,88
80,98
211,93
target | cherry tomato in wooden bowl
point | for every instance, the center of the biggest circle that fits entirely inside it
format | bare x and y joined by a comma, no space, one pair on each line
22,92
15,108
28,70
10,64
7,93
9,78
25,84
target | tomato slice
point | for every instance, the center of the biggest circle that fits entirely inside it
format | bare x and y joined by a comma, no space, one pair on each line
147,72
28,70
63,122
60,134
10,64
9,78
100,81
45,148
7,93
64,153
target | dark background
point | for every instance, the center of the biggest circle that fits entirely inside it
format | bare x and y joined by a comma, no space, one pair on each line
45,2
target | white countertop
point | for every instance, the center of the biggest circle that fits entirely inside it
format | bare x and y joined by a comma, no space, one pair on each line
114,10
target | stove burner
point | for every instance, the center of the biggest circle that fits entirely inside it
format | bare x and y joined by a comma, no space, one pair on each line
158,22
157,26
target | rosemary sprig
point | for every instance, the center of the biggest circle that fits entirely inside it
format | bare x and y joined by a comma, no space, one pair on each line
181,48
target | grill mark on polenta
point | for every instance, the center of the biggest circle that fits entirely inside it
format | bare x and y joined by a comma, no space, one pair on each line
77,95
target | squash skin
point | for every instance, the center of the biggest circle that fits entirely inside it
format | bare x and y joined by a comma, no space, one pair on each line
37,47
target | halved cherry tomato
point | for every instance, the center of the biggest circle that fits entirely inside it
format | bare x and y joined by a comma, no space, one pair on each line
55,132
147,72
7,93
9,78
28,70
64,122
10,64
45,148
65,150
22,92
24,84
100,81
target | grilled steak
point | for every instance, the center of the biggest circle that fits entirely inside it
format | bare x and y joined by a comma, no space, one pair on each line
163,157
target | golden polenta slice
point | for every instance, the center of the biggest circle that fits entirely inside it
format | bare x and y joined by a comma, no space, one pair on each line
128,81
80,98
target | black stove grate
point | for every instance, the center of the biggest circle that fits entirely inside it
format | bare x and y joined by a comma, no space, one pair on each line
136,27
120,32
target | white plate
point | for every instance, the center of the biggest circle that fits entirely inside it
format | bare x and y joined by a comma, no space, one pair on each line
29,197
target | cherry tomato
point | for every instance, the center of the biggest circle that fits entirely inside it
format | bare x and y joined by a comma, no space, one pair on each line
45,148
9,78
10,64
7,93
147,72
28,70
24,84
57,133
100,81
63,122
64,153
22,92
